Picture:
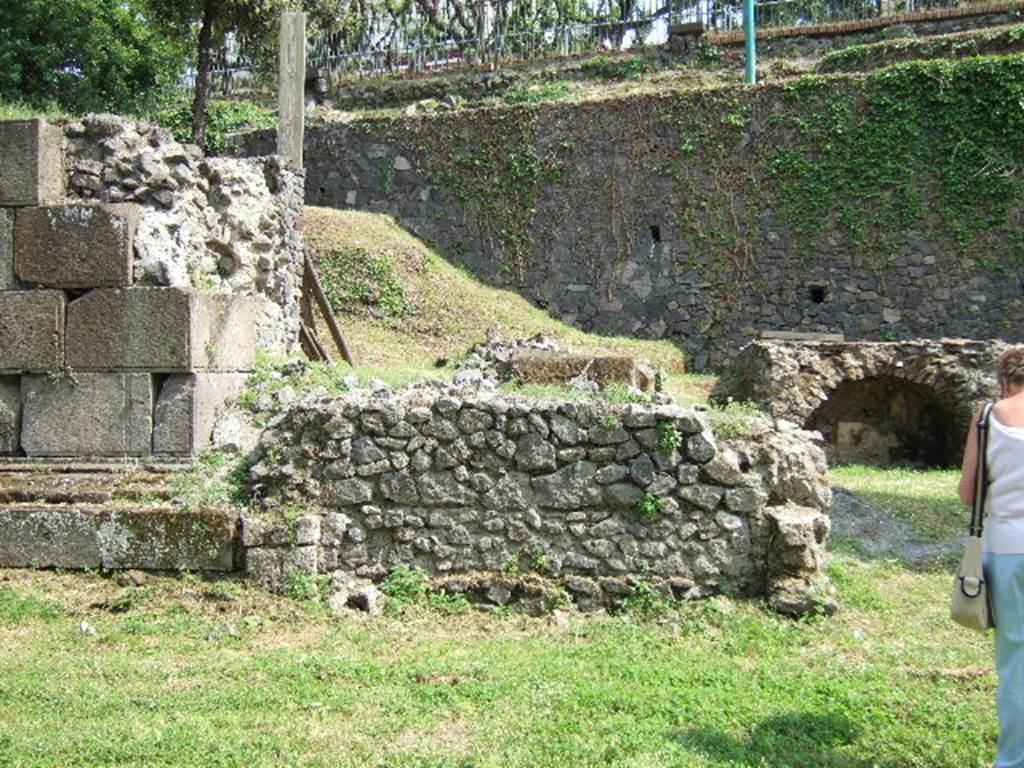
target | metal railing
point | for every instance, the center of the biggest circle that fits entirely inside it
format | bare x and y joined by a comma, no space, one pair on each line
411,44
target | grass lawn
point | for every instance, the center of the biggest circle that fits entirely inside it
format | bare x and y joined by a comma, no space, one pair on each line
187,672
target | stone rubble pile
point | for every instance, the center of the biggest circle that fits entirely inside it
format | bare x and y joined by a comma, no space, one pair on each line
592,496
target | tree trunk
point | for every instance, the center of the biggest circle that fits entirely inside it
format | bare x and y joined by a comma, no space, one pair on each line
205,64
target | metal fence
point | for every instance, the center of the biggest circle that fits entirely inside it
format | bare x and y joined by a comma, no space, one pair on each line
411,43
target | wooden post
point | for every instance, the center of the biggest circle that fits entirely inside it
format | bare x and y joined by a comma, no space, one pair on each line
291,82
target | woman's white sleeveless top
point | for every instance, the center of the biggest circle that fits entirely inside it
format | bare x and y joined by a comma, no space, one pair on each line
1004,508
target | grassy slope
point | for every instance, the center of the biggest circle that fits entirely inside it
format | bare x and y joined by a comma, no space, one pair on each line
447,310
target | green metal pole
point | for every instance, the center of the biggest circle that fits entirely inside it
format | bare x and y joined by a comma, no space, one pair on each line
750,25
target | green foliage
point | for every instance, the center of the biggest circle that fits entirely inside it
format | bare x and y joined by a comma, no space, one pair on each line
617,67
610,420
302,585
355,279
272,374
404,587
670,439
733,419
618,393
84,55
215,478
862,160
856,58
223,119
17,608
646,602
533,93
650,507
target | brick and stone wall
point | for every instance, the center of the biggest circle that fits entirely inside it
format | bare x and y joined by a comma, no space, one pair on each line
475,489
136,281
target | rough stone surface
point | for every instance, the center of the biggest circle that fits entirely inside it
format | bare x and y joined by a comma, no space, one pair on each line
186,407
10,415
90,414
31,331
511,500
533,367
220,224
75,246
96,537
8,281
31,164
908,401
160,329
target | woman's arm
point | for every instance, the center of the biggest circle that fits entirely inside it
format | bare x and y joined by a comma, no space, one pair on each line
969,469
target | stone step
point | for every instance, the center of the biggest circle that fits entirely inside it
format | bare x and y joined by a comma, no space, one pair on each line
118,534
89,514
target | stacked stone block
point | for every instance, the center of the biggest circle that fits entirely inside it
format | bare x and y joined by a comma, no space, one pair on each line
91,362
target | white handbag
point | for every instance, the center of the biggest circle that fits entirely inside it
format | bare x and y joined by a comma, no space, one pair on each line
971,605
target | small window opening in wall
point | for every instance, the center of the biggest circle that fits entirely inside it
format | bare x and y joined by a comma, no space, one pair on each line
655,233
818,293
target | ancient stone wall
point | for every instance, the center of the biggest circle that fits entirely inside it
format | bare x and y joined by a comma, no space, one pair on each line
221,225
711,217
136,281
479,489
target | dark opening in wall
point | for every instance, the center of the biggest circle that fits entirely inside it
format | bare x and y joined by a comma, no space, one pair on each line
885,421
818,293
655,233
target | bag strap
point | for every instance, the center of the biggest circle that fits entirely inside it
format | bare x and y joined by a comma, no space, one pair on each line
981,474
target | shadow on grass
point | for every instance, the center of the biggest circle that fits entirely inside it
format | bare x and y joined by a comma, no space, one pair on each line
798,740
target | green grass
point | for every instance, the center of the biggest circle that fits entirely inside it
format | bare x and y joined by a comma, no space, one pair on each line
925,498
888,682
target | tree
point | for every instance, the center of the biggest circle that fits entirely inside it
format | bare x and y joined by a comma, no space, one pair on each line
84,55
206,24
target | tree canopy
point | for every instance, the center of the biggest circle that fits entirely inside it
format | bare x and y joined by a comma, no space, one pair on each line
85,55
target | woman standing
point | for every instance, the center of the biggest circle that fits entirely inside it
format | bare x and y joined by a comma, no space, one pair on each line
1003,545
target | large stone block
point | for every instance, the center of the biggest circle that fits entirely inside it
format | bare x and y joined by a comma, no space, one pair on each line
8,281
10,415
31,163
161,329
90,414
186,406
75,246
31,331
96,537
543,367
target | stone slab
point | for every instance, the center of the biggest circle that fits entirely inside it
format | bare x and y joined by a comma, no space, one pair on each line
89,414
170,330
10,415
31,163
31,331
8,281
75,246
97,537
558,368
186,406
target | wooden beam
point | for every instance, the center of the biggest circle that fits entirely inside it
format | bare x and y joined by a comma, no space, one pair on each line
291,84
311,284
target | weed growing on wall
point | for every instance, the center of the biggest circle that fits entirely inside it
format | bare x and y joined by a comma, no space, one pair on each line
650,507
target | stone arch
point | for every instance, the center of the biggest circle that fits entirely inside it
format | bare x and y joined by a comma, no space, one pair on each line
941,382
887,420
